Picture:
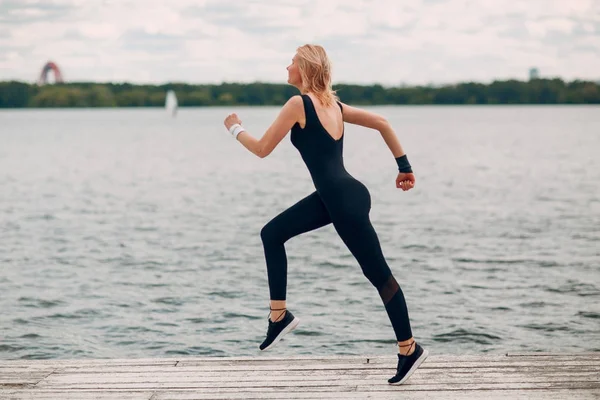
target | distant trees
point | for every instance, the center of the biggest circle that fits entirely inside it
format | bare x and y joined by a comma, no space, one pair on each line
86,94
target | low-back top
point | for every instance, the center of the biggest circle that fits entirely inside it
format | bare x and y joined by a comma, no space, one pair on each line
321,153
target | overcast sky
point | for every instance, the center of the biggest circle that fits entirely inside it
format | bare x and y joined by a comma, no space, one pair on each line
390,42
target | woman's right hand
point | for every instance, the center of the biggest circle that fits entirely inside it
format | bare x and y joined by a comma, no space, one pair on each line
231,120
405,181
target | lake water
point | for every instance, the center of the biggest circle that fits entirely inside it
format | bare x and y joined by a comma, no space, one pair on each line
128,233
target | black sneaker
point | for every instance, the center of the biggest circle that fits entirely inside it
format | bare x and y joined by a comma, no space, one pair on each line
278,329
408,364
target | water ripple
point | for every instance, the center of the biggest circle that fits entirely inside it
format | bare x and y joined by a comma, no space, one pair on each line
40,303
589,314
466,336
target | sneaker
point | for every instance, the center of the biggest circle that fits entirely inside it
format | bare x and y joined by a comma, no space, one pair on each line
278,329
408,364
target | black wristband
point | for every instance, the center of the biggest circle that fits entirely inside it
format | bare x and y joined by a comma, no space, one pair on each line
403,164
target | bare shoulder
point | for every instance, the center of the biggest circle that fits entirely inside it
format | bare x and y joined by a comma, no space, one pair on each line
293,109
359,116
294,102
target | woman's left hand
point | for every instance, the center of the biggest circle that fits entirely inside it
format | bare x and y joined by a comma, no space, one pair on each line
405,181
232,119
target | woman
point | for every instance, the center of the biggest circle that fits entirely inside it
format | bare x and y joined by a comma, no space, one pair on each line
317,131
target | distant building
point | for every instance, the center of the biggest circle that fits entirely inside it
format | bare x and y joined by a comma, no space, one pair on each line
534,73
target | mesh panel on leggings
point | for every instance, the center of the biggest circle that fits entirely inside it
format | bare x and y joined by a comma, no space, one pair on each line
389,289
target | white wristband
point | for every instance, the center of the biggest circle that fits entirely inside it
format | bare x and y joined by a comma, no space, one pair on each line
232,127
235,130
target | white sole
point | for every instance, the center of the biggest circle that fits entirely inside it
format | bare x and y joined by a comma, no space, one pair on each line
285,331
413,368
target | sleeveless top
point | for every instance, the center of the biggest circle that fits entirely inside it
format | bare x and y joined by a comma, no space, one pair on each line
321,153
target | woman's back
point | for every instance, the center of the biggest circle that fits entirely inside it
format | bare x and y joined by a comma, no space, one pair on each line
330,118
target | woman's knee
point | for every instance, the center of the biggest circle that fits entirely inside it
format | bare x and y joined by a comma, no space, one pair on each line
270,233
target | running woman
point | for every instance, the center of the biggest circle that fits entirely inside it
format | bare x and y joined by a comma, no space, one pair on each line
316,120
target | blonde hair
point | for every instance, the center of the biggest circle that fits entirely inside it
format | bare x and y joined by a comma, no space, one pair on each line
315,70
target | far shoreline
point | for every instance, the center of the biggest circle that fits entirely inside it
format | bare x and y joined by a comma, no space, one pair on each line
537,91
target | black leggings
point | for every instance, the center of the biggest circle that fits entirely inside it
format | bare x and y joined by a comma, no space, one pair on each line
359,236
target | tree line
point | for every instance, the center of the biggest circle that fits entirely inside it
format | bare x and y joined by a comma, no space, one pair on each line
14,94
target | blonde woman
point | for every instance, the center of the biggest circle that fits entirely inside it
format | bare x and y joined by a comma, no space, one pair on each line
316,120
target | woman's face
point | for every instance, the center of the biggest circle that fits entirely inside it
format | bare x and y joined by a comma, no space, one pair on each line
294,77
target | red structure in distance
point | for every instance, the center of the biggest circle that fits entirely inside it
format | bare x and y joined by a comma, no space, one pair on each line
50,66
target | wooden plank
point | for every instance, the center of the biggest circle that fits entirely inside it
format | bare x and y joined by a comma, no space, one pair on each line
87,362
183,361
379,360
340,365
230,361
197,371
29,394
23,377
560,394
349,386
384,360
170,371
362,383
590,385
186,361
231,367
594,354
387,358
191,378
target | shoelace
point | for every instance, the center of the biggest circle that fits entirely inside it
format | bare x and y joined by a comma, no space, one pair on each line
409,347
277,309
272,323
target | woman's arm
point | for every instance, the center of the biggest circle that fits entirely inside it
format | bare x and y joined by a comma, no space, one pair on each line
286,119
371,120
405,179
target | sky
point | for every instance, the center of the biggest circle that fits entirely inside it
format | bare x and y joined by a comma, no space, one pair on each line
389,42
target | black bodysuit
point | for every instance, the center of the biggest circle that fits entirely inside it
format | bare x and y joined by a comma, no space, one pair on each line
339,199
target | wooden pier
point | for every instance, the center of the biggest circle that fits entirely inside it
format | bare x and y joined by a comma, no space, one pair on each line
511,376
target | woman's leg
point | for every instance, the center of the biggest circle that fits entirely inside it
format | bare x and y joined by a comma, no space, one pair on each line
306,215
351,221
360,237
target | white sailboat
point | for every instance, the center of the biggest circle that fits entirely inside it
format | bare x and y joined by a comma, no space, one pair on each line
171,103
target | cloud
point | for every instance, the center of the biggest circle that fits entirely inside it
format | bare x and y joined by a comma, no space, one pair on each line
16,12
139,40
5,33
379,41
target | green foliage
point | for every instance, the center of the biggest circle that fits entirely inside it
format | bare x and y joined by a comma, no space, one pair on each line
88,94
15,94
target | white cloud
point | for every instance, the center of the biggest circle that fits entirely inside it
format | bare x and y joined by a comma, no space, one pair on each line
99,30
540,28
384,41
